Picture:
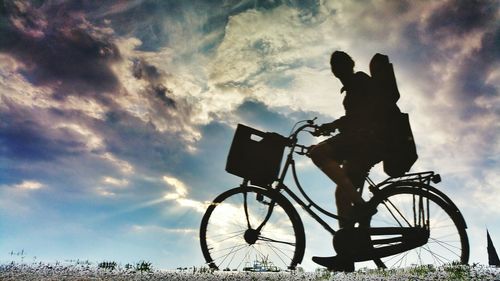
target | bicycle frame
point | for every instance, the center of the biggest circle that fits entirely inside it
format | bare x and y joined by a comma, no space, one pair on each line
314,209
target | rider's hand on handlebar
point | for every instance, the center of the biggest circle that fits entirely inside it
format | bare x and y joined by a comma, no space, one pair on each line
325,129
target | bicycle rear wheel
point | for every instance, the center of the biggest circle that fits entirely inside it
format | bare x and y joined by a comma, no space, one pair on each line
231,239
413,206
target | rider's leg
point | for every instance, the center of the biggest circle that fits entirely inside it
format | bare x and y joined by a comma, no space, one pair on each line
345,189
345,193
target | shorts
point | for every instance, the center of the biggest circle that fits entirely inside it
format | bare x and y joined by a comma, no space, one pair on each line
357,153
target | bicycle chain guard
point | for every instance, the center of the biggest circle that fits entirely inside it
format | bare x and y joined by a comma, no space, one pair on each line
359,245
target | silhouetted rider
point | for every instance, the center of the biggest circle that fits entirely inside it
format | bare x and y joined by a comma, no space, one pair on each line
347,157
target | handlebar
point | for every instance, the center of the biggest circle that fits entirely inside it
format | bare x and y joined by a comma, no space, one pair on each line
309,124
316,131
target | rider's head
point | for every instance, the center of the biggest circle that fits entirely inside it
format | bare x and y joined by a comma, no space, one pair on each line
342,64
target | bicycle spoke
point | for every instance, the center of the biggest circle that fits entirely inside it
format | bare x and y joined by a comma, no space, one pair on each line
242,260
393,257
419,253
288,249
230,252
234,255
281,251
444,226
275,241
437,256
225,233
272,248
445,246
228,238
226,248
399,261
263,257
228,233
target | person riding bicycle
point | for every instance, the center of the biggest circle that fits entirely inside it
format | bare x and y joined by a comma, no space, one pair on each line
347,157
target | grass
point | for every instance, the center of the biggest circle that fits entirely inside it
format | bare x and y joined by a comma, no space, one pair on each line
81,272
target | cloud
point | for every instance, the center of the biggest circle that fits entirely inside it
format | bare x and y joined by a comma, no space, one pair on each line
115,182
180,189
180,195
28,134
65,52
487,192
460,17
18,197
28,185
69,97
155,228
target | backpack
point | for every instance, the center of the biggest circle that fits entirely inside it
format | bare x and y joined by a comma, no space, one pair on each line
382,73
400,152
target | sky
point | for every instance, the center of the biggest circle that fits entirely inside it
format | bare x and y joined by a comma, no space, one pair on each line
116,116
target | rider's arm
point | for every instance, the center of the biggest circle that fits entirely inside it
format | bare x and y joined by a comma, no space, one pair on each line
335,125
341,123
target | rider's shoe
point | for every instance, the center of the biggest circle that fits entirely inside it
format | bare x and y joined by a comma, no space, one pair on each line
335,263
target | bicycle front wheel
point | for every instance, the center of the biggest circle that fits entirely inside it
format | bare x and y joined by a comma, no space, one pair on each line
253,229
416,207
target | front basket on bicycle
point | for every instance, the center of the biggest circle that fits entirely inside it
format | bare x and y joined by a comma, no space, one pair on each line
256,155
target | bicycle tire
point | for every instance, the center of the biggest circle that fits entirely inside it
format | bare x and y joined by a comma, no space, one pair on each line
223,215
448,241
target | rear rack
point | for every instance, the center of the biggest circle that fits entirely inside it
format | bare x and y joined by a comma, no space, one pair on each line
422,177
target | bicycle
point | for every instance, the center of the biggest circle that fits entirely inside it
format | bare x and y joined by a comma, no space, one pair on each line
415,223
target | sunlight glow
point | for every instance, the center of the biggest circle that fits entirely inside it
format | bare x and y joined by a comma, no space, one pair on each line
180,187
123,165
115,181
180,195
29,185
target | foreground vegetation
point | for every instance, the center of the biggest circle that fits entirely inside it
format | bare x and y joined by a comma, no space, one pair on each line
111,271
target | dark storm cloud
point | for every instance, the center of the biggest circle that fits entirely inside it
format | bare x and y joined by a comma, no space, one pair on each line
143,70
24,137
140,143
59,48
64,51
471,79
460,16
449,30
162,93
463,18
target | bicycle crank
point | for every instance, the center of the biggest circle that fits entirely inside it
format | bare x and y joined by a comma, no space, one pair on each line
362,244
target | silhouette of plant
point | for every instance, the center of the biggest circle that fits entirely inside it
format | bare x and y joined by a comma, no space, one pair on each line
107,265
144,266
